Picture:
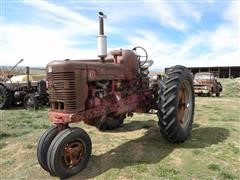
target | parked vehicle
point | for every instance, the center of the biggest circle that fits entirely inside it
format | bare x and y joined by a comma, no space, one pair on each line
102,93
22,90
205,83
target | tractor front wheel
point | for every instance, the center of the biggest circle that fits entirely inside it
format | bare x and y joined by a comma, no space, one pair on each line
30,102
69,152
176,104
43,145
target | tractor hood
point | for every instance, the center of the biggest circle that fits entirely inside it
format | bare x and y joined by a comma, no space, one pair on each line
23,78
120,64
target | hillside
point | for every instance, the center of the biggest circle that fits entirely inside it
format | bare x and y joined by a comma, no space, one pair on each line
231,87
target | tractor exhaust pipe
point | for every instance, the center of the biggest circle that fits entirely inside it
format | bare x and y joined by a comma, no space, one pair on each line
28,78
101,38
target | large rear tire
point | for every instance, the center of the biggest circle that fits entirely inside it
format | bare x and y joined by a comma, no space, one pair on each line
6,97
69,152
176,104
110,123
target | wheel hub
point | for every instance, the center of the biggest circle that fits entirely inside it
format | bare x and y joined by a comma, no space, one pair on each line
184,103
181,103
73,153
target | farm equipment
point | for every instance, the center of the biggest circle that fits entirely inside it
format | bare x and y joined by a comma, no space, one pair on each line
102,93
206,83
14,91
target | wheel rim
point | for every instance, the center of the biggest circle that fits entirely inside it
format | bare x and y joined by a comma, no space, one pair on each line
185,103
73,153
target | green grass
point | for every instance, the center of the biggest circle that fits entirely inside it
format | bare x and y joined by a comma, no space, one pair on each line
214,167
136,150
15,123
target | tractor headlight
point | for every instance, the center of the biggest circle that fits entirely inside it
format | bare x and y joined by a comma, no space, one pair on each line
49,69
205,87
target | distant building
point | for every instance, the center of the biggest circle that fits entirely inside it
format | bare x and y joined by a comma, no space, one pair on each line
221,71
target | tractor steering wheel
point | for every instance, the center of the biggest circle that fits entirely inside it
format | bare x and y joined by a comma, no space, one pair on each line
141,54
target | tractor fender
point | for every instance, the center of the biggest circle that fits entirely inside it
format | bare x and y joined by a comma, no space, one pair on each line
9,86
4,84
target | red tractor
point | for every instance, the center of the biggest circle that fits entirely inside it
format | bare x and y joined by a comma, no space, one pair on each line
102,93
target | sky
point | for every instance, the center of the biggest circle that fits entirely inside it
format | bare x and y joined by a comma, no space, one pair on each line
190,33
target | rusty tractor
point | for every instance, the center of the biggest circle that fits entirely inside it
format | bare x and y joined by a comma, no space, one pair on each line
102,93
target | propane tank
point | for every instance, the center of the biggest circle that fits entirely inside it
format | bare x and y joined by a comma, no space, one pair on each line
101,38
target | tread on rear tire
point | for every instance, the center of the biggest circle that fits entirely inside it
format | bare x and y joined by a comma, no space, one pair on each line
176,104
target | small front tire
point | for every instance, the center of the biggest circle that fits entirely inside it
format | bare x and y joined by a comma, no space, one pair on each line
43,145
69,152
30,102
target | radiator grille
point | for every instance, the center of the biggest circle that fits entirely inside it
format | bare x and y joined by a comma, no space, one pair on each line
62,89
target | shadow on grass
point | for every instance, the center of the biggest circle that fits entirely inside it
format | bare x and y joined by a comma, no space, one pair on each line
148,149
133,126
136,125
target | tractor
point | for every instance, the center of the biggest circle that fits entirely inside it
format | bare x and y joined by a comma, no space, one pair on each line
102,93
22,90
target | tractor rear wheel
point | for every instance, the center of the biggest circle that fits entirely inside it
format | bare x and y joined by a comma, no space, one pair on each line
110,123
6,97
69,152
176,104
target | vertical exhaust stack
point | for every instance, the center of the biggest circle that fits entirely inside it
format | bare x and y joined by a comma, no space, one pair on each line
28,78
101,38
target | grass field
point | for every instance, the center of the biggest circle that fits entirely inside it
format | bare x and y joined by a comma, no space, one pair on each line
137,149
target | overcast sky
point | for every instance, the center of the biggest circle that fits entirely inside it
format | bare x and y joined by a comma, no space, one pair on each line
191,33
